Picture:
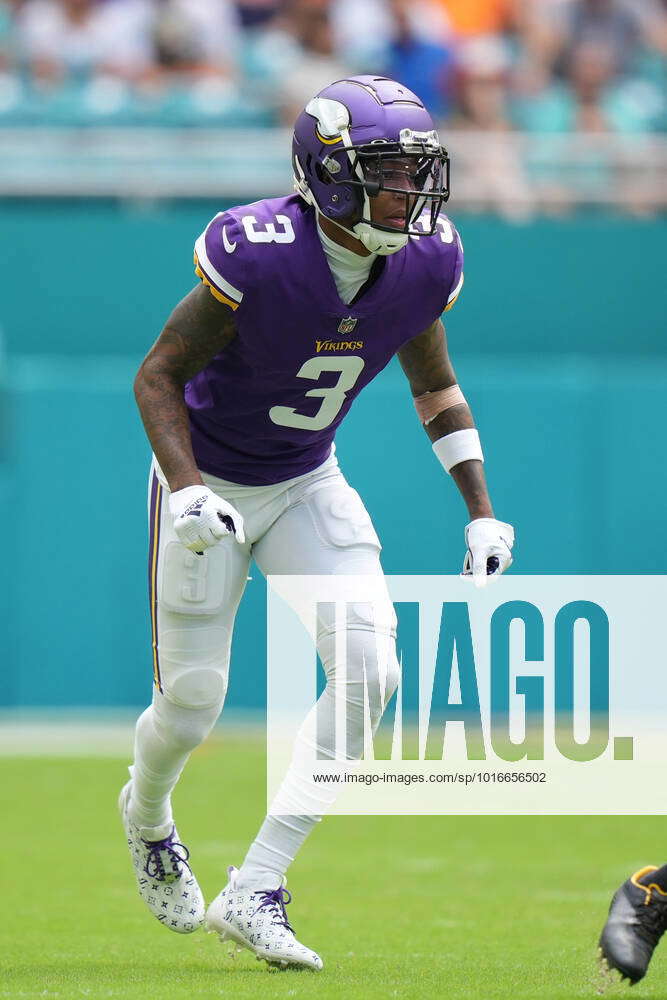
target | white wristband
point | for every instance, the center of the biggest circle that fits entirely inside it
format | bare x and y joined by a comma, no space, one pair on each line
460,446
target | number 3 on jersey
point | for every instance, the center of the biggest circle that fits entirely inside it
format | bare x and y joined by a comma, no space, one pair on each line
349,369
271,233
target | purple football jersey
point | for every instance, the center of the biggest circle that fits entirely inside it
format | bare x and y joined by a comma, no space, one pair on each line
266,409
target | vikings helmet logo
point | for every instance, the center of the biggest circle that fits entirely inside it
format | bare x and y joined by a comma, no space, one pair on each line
347,324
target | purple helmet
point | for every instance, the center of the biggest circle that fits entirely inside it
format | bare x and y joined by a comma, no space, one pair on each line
364,135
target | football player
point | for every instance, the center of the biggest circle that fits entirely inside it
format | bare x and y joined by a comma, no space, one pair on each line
636,922
302,300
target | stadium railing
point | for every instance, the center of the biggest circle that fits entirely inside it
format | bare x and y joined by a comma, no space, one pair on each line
512,173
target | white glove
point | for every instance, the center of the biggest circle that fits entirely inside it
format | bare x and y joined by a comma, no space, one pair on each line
489,544
201,518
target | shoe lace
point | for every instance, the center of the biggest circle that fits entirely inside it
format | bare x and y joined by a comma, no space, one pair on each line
161,851
652,918
275,900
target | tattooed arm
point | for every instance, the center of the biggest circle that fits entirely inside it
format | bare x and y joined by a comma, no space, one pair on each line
426,363
197,330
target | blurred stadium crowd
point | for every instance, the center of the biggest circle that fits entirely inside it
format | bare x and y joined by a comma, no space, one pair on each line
533,66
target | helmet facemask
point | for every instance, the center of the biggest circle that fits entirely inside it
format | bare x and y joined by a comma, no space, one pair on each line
415,169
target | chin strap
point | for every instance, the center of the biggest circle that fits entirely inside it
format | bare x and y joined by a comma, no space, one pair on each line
375,240
378,241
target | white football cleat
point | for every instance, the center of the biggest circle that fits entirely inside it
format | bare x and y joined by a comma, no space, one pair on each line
256,919
164,878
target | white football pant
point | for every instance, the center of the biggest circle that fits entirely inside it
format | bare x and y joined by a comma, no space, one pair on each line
315,524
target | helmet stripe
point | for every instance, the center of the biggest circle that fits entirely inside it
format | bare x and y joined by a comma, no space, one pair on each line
329,142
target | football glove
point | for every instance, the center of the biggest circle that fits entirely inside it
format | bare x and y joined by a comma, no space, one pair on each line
489,543
201,518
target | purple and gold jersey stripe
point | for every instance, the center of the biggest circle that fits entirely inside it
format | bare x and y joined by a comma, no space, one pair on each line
155,512
203,261
454,294
220,296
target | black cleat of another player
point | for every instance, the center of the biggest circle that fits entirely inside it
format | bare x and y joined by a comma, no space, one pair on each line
636,922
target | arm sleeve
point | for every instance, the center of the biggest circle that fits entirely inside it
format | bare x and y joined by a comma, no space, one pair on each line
457,277
221,260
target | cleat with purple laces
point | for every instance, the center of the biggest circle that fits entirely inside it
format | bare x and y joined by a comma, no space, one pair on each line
257,920
164,878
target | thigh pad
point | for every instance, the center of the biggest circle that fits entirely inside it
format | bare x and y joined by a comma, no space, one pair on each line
340,518
195,585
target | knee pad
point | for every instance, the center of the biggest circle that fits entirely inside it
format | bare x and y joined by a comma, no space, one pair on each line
379,668
194,665
367,685
379,620
182,728
372,668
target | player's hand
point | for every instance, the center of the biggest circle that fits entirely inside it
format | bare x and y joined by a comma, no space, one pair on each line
489,543
201,518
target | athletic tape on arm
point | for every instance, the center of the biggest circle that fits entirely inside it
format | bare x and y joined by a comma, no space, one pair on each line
430,404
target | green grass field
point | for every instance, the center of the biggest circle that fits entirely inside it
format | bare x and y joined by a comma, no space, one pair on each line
397,907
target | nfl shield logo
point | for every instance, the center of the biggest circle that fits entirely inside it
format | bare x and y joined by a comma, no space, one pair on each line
347,324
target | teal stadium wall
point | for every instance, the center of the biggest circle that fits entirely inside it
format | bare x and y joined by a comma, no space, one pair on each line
558,340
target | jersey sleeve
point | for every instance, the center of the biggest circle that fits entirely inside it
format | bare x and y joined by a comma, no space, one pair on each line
221,260
457,276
